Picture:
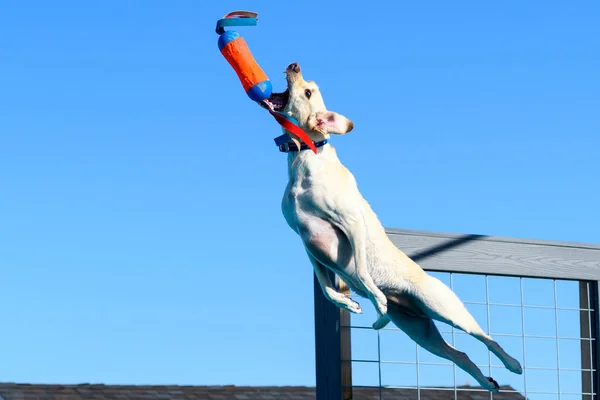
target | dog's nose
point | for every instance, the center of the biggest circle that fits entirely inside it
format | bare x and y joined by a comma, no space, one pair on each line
294,67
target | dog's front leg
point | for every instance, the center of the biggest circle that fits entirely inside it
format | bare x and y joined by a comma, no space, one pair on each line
337,298
354,227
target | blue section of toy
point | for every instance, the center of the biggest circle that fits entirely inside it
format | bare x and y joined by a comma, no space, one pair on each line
291,119
260,91
246,18
225,38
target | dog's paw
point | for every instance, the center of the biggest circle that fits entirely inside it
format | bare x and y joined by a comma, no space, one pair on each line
381,322
347,304
380,302
491,385
354,307
381,307
514,366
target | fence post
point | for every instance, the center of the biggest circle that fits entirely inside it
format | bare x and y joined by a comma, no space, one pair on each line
332,346
595,321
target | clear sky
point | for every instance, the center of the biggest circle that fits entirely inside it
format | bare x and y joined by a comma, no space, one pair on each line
141,236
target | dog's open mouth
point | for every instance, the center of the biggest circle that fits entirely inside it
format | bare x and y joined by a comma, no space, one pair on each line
278,101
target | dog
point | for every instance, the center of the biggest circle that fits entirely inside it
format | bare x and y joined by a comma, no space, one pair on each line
341,233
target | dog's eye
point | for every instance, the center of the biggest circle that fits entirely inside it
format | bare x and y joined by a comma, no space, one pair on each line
307,93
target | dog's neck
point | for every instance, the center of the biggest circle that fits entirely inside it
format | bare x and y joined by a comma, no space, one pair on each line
302,162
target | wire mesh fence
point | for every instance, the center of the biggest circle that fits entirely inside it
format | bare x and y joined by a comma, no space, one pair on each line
547,324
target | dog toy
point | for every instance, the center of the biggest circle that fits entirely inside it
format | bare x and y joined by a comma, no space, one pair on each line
255,82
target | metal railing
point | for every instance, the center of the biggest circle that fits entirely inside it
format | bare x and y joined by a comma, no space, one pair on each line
445,254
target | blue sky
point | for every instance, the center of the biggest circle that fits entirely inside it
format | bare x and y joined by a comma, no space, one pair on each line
141,237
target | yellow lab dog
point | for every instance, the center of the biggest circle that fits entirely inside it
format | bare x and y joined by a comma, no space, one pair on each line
340,232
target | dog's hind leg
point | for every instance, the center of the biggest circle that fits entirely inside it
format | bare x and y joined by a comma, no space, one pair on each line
442,304
381,322
424,332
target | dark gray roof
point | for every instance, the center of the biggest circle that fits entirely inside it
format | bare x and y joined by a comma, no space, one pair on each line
19,391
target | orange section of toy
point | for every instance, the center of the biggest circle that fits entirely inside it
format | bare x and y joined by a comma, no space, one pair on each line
241,60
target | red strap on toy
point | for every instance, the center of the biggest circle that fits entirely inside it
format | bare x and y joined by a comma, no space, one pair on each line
295,129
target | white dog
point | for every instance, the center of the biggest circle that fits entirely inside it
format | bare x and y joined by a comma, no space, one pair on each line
340,232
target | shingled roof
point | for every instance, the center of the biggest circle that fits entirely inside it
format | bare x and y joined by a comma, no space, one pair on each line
18,391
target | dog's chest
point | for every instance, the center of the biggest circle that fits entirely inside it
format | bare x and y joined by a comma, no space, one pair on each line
304,200
304,210
316,186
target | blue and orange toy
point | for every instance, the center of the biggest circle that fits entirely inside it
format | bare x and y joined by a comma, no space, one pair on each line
255,82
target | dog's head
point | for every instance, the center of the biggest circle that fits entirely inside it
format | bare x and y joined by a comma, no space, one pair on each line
303,101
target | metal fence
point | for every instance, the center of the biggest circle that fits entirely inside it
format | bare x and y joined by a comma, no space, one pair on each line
538,299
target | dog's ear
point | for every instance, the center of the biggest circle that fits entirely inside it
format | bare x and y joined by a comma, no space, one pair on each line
330,122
